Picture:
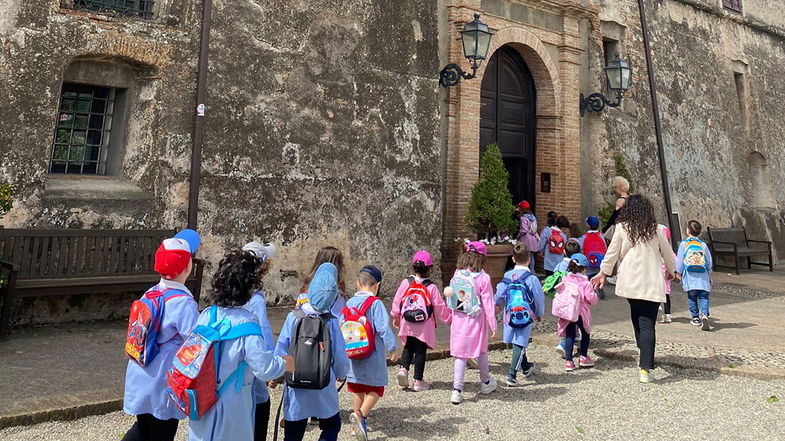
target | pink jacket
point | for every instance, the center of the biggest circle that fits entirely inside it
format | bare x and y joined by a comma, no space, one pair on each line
469,335
425,331
665,277
588,298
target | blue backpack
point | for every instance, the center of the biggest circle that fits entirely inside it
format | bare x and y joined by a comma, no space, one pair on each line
694,255
519,299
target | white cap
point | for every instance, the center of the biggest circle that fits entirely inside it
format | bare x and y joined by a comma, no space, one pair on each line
264,252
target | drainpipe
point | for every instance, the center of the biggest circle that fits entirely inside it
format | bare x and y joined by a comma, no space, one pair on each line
198,133
657,126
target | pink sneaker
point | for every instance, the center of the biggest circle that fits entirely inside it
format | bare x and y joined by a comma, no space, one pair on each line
569,366
585,362
420,386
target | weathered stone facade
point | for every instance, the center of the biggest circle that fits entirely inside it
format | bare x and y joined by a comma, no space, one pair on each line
325,124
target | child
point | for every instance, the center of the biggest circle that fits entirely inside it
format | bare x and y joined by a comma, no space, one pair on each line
594,248
527,231
472,315
301,404
572,247
145,386
552,282
519,280
552,242
693,268
666,307
326,255
257,305
368,376
234,283
418,335
575,283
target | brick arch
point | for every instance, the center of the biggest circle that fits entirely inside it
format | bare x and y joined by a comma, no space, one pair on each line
542,67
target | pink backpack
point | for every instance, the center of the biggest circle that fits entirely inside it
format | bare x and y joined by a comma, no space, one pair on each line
567,303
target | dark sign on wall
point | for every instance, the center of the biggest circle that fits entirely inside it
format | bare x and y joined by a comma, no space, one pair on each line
545,183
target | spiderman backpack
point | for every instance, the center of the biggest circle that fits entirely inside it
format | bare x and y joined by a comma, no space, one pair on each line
144,322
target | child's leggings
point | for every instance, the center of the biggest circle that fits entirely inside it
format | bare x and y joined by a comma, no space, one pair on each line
460,370
414,349
569,341
519,360
667,304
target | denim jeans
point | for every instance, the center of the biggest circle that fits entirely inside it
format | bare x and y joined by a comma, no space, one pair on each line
698,301
569,341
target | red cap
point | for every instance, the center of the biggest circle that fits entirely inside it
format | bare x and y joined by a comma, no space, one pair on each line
525,205
172,257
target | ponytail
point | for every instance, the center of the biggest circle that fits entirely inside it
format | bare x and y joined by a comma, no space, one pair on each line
574,268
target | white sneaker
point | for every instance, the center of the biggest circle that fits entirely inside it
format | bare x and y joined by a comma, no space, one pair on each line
420,386
403,378
561,351
457,397
705,325
666,318
646,376
488,388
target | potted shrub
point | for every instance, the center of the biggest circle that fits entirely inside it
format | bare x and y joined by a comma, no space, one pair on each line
491,211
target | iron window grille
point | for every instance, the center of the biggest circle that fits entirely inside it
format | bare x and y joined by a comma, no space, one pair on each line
130,8
83,129
733,5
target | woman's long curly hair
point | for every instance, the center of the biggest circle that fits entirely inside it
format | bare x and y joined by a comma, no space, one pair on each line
236,280
637,215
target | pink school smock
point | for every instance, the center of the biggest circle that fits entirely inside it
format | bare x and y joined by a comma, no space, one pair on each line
588,298
425,331
469,335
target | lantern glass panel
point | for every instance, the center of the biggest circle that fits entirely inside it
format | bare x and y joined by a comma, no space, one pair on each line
614,76
483,42
626,75
469,44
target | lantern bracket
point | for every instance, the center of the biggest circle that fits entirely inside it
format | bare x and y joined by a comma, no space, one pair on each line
452,74
596,102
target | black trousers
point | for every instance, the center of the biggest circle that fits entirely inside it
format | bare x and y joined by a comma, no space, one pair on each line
261,421
150,428
667,304
644,316
330,427
414,349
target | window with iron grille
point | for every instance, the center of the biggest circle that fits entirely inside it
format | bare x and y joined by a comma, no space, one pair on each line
84,125
733,5
131,8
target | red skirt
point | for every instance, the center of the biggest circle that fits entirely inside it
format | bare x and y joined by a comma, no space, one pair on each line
357,388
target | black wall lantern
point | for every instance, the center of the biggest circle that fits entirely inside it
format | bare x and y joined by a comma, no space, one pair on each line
476,39
618,74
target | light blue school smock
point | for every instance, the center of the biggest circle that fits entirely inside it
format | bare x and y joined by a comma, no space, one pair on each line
258,307
300,404
551,260
145,387
232,416
372,371
692,280
520,336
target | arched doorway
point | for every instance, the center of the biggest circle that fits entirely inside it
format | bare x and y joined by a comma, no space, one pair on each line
508,118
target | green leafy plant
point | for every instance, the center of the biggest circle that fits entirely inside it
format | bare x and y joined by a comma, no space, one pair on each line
605,212
491,209
6,191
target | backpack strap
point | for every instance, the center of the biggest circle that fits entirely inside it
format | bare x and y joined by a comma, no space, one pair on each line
236,377
367,304
242,330
410,279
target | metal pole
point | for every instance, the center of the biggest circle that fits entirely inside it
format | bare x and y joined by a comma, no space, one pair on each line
657,127
198,133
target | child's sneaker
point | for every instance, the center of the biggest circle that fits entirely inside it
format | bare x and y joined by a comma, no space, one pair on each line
569,366
457,397
645,376
359,425
420,385
490,386
585,362
666,318
705,325
511,381
403,378
529,370
561,350
695,321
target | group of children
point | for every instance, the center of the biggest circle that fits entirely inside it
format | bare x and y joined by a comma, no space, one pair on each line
216,366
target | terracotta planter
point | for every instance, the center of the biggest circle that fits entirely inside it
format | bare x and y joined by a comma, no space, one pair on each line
497,261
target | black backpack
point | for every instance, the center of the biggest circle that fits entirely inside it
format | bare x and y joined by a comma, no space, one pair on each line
311,348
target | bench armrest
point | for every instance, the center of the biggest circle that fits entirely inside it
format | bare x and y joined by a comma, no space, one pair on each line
9,265
766,242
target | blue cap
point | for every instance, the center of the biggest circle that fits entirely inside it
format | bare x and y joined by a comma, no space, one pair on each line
373,271
190,236
593,222
323,288
580,259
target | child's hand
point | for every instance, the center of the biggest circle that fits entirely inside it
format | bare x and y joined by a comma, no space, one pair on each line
598,281
493,333
394,357
289,363
537,319
396,322
498,309
272,384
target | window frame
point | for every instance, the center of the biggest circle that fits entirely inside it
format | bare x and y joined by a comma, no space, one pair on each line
731,6
144,9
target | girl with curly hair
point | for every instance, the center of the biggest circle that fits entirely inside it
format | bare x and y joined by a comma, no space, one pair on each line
640,247
233,285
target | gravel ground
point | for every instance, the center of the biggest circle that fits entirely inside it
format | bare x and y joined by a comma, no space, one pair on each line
604,403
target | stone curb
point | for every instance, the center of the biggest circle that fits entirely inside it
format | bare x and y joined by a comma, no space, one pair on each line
62,414
756,373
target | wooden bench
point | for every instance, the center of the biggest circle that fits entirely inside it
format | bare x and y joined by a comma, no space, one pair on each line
37,263
733,242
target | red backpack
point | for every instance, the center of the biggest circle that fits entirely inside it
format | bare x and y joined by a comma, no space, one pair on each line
357,330
594,249
144,322
556,243
416,305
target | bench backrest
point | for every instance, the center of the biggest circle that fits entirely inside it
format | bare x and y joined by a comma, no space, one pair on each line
734,235
45,254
